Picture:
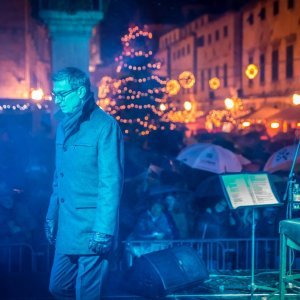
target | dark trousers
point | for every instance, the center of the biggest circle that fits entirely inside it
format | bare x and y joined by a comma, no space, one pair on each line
77,277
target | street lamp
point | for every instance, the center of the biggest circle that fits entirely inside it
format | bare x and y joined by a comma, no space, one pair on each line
187,105
296,99
229,103
37,94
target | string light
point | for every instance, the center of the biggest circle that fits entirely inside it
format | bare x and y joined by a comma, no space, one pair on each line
139,98
23,107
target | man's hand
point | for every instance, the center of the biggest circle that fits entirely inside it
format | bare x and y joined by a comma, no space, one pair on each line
50,231
101,243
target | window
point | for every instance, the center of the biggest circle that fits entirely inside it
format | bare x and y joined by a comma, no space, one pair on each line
262,69
290,4
188,49
250,81
250,19
209,39
200,41
209,73
275,57
276,8
183,51
289,61
202,80
225,75
225,31
217,35
174,55
262,14
217,71
178,53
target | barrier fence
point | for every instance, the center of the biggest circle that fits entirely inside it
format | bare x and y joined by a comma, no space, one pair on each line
218,254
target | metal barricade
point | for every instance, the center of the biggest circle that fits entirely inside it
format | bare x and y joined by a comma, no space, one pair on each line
218,254
17,258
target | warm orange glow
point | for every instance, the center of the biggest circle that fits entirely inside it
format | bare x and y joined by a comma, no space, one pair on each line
214,83
172,87
274,125
162,107
246,124
251,71
187,105
186,79
229,103
37,94
296,99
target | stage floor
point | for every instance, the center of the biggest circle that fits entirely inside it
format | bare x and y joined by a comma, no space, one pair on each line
226,285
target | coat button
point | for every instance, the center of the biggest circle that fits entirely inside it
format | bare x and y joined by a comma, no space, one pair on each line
62,200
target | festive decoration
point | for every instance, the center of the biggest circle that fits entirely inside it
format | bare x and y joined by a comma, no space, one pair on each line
37,94
296,99
172,87
214,83
22,107
235,105
187,105
229,103
274,125
220,120
246,124
186,79
138,96
162,107
251,71
104,86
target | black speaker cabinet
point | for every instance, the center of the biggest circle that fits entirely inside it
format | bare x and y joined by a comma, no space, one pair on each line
163,272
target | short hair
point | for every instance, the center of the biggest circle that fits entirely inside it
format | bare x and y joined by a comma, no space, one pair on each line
74,76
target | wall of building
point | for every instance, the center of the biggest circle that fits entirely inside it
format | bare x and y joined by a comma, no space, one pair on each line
219,55
24,51
270,26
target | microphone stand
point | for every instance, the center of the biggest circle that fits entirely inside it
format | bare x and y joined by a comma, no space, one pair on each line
289,197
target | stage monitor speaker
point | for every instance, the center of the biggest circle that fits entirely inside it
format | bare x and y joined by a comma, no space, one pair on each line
160,273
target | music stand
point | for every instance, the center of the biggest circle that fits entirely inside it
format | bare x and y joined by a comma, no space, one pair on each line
249,190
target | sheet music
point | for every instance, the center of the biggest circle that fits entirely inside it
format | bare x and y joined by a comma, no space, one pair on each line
248,189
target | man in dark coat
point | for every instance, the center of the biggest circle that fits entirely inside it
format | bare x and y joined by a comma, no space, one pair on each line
82,217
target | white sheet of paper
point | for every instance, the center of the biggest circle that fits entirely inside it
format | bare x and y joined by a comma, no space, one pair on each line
248,189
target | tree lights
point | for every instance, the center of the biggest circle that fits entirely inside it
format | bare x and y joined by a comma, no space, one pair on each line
139,94
172,87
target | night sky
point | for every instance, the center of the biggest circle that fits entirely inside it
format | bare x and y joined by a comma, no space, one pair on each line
120,13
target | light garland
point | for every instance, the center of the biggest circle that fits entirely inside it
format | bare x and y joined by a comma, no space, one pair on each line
251,71
23,107
186,79
138,95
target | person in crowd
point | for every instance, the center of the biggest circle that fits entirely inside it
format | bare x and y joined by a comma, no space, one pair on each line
153,224
16,222
82,217
217,221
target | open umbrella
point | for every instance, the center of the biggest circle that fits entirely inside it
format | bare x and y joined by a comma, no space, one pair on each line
282,159
210,157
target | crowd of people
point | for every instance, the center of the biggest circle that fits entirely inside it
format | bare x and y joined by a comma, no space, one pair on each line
161,197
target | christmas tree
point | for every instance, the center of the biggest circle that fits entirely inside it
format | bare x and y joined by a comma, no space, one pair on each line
139,97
